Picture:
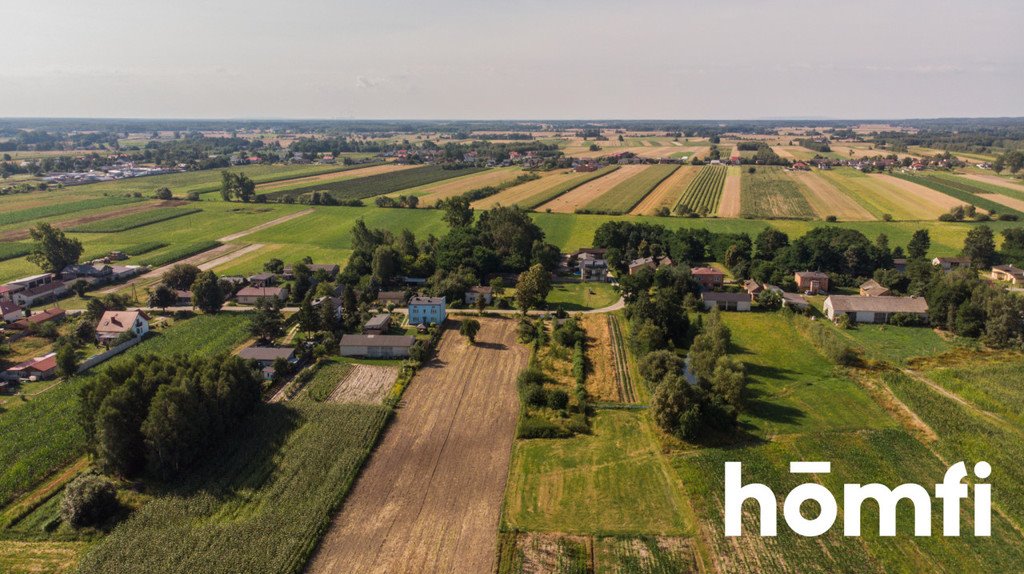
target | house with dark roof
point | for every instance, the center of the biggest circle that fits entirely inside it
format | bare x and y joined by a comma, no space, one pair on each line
376,346
652,263
1014,275
252,294
265,279
795,301
951,263
874,309
395,298
725,301
265,357
378,324
9,312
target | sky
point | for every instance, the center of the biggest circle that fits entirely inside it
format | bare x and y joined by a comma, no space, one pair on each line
528,59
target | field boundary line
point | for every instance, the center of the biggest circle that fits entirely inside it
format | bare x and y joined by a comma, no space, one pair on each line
262,226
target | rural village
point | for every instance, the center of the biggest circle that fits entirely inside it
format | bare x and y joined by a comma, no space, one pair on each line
497,347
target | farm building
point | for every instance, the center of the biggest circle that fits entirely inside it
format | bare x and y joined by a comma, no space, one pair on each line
330,269
376,346
182,298
378,324
392,297
726,301
811,281
708,277
427,310
38,369
874,309
38,318
265,279
795,301
872,288
250,295
265,357
951,263
28,291
114,324
1014,275
10,312
474,293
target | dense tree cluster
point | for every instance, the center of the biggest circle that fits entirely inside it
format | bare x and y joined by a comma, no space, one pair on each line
53,251
236,186
159,414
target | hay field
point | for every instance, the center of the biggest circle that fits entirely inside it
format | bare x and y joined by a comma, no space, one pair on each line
919,194
588,192
330,177
601,378
668,192
729,203
994,180
626,195
826,200
1011,202
770,193
365,384
521,194
879,195
429,499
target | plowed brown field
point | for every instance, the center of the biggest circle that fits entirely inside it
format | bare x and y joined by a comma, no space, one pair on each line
430,497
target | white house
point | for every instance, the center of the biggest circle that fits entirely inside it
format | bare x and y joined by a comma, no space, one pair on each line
725,301
114,324
874,309
475,293
376,346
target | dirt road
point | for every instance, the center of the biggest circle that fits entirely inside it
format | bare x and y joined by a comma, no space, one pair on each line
262,226
430,497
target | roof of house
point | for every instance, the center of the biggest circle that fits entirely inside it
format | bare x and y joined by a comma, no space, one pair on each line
871,284
725,297
8,307
708,271
389,295
750,285
962,260
812,274
45,363
794,299
41,317
266,353
1009,269
855,303
260,291
119,321
262,276
426,301
479,289
377,340
41,289
641,261
378,321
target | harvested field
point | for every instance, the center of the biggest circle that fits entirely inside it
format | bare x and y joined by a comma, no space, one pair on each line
430,497
667,193
925,198
31,557
601,378
524,194
626,195
826,200
1011,202
588,192
784,152
994,180
729,204
434,192
365,384
329,177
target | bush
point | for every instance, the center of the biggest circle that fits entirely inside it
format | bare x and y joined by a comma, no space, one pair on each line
537,427
906,320
535,396
558,399
88,500
569,333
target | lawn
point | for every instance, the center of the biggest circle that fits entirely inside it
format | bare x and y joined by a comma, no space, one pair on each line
898,344
769,193
612,481
581,296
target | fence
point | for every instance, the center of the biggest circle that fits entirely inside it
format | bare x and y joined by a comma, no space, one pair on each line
97,359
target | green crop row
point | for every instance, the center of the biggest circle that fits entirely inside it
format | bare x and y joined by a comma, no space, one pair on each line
62,208
704,192
13,250
179,252
565,187
134,220
626,195
380,184
957,191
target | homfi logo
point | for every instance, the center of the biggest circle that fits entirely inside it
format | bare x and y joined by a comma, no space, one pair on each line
950,491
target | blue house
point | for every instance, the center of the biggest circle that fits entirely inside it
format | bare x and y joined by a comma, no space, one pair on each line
427,310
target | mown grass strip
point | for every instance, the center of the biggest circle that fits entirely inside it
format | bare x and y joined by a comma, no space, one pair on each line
179,252
135,220
958,192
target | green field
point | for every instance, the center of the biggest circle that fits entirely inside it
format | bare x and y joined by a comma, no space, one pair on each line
58,208
550,193
259,504
610,482
895,344
372,185
975,186
135,220
626,195
705,190
769,193
872,194
44,436
177,252
963,190
12,250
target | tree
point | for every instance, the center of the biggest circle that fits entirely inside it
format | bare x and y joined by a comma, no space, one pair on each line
236,185
181,276
80,286
307,317
328,316
162,297
67,359
268,322
980,246
88,500
481,304
207,295
469,328
274,266
656,365
769,299
497,287
457,212
678,408
163,193
53,250
769,242
533,287
919,244
729,381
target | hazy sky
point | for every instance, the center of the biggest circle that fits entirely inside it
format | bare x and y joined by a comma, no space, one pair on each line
518,59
